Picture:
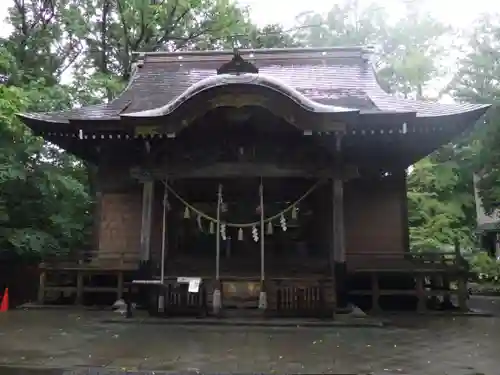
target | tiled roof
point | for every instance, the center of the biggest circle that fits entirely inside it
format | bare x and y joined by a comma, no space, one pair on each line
335,77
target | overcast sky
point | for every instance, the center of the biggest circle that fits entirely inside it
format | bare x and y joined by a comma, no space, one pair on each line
456,12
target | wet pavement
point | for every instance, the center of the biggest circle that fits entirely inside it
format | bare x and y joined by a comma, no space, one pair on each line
82,341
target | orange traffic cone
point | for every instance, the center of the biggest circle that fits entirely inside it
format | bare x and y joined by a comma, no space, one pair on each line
4,306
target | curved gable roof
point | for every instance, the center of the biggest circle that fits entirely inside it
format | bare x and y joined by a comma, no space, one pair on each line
324,79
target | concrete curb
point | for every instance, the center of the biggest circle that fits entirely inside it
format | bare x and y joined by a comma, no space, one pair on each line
273,323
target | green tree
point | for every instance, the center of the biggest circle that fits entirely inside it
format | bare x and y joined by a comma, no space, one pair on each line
347,24
412,54
46,194
43,202
477,81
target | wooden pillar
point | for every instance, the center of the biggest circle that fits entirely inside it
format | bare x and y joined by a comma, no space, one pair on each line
146,220
217,293
97,223
79,287
96,194
41,286
404,210
263,293
161,297
120,286
375,293
338,232
420,292
462,267
145,271
462,293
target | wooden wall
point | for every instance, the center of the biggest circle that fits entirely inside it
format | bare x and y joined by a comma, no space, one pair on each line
374,215
120,207
120,226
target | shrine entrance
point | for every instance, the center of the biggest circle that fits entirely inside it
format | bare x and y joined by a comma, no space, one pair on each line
239,244
288,225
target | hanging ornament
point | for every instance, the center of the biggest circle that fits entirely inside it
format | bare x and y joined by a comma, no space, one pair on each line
223,207
187,214
240,234
223,231
211,227
283,223
198,222
295,210
255,234
270,228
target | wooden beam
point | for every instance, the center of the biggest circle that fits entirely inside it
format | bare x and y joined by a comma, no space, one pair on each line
240,169
146,220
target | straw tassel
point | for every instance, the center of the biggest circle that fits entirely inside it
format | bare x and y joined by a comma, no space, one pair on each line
270,228
294,213
198,222
240,234
187,214
223,231
283,223
211,227
255,234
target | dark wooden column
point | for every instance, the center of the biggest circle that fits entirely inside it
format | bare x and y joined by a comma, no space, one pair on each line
146,219
404,209
145,271
338,240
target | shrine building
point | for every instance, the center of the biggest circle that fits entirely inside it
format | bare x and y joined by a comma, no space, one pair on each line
268,180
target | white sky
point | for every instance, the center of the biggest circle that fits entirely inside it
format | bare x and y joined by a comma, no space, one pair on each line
459,13
455,12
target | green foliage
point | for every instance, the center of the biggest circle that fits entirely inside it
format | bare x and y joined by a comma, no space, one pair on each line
43,203
413,54
477,81
46,195
344,25
487,269
439,205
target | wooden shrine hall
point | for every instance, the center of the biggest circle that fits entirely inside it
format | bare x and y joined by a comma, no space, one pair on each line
269,180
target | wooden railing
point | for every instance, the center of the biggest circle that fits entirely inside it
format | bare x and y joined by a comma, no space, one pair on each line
178,300
98,259
286,298
444,260
430,275
301,297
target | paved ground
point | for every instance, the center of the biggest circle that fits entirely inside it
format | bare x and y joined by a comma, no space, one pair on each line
433,345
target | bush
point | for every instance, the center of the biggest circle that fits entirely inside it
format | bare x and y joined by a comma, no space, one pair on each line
486,268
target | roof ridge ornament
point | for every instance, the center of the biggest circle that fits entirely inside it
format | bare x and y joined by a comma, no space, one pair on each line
237,65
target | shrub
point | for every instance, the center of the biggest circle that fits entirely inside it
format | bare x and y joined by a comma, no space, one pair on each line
486,268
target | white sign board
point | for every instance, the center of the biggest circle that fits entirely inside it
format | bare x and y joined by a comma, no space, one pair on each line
193,283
